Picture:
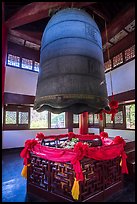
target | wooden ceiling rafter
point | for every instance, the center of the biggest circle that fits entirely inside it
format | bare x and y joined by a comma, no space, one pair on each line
38,10
119,23
99,13
126,16
34,37
107,14
82,4
120,46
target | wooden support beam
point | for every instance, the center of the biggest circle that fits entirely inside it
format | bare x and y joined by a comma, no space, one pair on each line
32,12
99,13
69,121
4,54
12,98
38,10
83,123
82,4
107,13
124,96
23,52
119,23
34,37
120,46
3,11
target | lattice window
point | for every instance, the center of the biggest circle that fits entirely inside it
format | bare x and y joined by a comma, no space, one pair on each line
11,117
36,66
23,118
130,116
38,120
75,118
108,65
119,118
96,118
130,53
13,60
26,63
108,119
58,120
117,60
90,119
16,117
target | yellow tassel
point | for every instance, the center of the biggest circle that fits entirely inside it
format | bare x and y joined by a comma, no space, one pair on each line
75,190
24,171
120,163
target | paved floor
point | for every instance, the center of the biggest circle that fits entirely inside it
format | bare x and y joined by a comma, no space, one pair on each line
14,185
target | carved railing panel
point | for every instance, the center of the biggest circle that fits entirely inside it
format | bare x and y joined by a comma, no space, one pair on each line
62,178
93,178
112,172
38,172
59,177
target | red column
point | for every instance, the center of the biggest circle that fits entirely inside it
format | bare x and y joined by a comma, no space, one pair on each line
4,53
83,123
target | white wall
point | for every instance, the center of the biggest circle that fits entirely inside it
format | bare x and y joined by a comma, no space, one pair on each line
24,82
17,138
20,81
93,130
123,78
128,135
76,130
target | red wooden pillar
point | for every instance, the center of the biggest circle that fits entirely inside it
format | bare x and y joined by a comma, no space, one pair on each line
69,121
4,53
83,123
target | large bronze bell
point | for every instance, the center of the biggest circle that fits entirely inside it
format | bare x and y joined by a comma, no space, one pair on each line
71,76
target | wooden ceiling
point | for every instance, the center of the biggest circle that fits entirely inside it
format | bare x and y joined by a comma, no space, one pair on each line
27,21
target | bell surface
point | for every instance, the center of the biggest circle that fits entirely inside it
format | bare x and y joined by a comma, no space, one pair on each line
71,76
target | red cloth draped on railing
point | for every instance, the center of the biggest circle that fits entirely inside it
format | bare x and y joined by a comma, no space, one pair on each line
105,152
70,135
25,153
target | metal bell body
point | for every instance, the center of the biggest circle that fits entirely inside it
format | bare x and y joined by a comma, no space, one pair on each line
71,76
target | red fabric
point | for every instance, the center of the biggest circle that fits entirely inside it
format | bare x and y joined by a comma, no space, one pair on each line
105,152
104,134
78,170
101,115
118,140
4,52
113,104
113,110
88,137
70,135
124,163
25,153
105,139
40,136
